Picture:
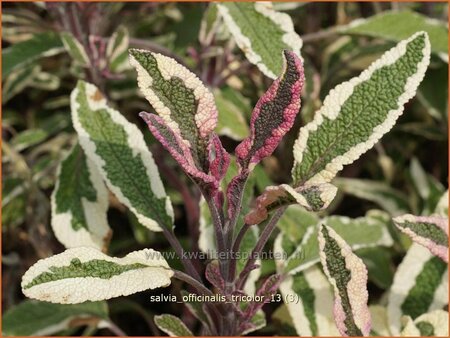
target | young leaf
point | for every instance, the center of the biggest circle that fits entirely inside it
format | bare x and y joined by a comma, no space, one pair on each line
33,318
348,275
218,157
311,315
117,50
253,25
432,324
274,114
75,49
357,113
22,53
85,274
420,286
429,231
180,98
80,203
172,325
176,147
398,25
214,276
362,232
315,198
118,150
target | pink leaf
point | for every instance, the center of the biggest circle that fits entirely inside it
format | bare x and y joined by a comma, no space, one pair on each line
274,114
219,159
234,192
177,147
214,276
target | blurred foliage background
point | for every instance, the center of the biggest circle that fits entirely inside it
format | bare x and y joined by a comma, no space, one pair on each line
406,172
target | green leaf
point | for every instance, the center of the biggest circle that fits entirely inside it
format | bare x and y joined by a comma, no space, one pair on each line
172,325
75,49
28,138
80,203
356,114
420,285
261,32
19,54
433,92
231,121
117,50
348,275
118,149
34,318
359,233
308,299
396,26
431,324
378,261
390,199
85,274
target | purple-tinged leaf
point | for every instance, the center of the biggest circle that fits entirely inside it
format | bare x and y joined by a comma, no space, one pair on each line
312,197
214,276
265,292
219,159
274,114
429,231
177,147
234,192
348,276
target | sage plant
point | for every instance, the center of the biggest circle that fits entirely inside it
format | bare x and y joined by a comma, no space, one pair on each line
113,156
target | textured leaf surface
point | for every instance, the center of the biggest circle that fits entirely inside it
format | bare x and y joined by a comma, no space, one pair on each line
34,318
312,314
261,32
117,50
85,274
274,114
179,97
172,325
429,231
396,26
314,198
75,49
19,54
388,198
362,232
420,285
356,113
80,203
348,275
118,150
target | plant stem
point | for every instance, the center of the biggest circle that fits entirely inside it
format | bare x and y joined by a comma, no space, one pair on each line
236,246
323,34
116,330
175,244
256,252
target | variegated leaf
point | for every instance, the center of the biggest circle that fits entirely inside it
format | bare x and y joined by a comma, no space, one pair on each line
118,150
420,286
312,313
18,80
315,198
432,324
180,98
362,232
348,275
172,325
357,113
429,231
117,50
80,203
180,151
85,274
253,25
442,206
75,49
274,114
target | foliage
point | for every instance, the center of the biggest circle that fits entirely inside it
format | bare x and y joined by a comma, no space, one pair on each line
330,174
